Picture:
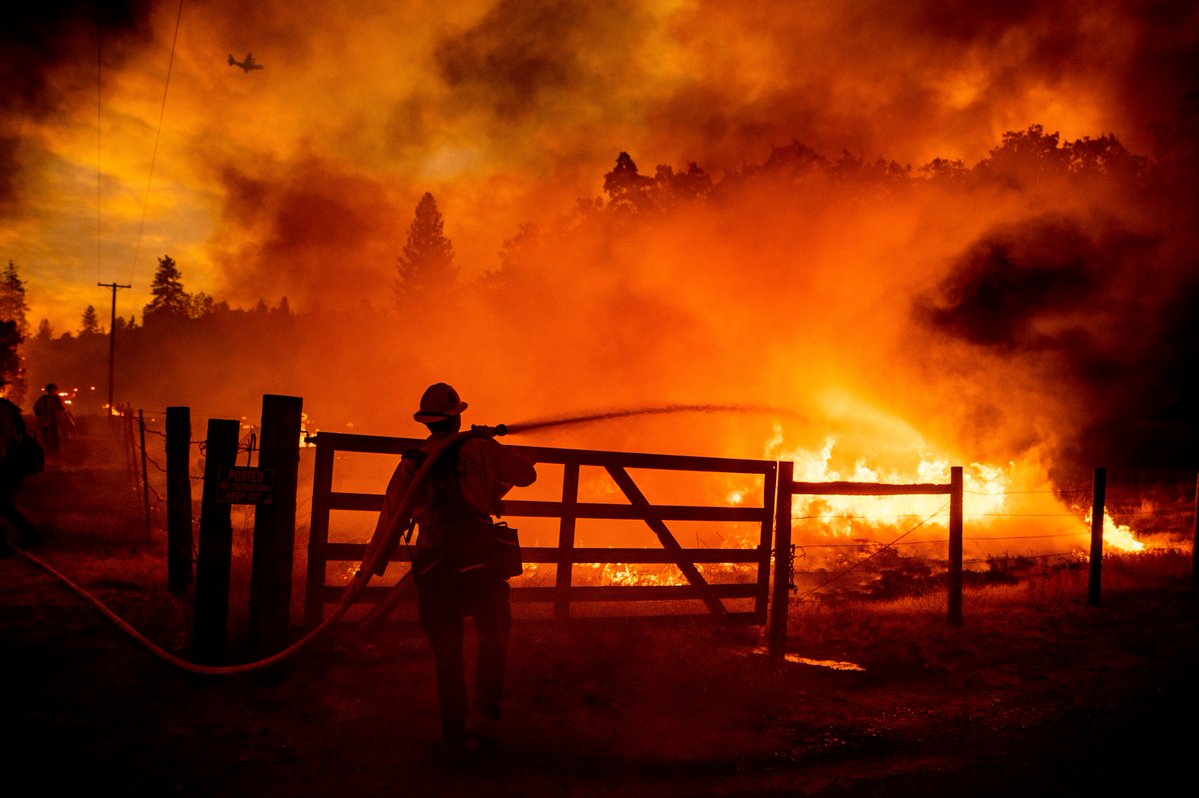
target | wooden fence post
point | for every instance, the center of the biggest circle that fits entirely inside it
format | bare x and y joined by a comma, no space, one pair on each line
275,526
1098,500
766,541
141,431
781,598
1195,544
318,535
956,546
211,633
130,447
564,570
179,500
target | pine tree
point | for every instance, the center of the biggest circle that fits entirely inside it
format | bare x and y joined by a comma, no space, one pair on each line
169,301
12,300
427,264
90,324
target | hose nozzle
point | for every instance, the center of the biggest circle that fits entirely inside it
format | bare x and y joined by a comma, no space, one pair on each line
483,431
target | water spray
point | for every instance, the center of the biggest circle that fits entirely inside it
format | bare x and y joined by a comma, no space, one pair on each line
592,418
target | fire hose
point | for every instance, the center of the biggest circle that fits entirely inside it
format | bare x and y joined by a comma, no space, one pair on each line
383,543
377,553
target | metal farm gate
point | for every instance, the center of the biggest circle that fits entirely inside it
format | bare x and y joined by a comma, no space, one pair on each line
568,510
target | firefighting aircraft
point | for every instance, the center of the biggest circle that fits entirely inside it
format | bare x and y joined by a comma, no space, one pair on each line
247,65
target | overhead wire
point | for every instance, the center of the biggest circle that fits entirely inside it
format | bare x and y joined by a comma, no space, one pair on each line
157,136
99,134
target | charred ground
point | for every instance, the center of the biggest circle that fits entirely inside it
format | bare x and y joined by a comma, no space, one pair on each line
1034,694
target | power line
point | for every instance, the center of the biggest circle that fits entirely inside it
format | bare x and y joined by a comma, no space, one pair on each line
157,136
99,120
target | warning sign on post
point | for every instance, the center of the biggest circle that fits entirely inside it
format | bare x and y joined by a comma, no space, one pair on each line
244,485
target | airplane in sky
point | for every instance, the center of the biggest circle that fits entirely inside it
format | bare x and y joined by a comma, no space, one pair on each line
247,65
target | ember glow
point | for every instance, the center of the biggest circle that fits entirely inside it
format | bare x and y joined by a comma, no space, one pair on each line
832,664
937,233
1001,517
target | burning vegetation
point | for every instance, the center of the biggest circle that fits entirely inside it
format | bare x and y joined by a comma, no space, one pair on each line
914,286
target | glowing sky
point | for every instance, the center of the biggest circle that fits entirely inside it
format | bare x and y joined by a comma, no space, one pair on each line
300,179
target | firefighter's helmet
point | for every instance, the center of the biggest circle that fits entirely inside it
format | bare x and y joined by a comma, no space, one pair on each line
439,402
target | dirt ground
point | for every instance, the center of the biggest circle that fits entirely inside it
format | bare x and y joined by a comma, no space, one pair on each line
1044,696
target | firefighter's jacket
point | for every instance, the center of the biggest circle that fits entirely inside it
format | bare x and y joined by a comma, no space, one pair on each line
486,471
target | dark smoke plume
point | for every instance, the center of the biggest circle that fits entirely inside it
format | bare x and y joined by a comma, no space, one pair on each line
1102,318
43,47
38,38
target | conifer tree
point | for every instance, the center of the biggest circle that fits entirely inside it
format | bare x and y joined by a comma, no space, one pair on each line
427,263
169,300
90,324
12,300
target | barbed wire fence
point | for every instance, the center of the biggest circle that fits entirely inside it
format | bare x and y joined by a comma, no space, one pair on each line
142,460
1175,521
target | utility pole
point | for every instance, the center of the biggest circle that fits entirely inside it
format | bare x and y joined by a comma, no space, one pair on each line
112,337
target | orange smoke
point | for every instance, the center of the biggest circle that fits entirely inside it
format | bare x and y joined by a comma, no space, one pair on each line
835,224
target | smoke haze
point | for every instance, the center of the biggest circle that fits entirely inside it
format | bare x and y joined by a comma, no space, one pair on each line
1017,311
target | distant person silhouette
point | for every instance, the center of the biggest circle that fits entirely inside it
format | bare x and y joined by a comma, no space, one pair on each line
454,503
53,418
14,466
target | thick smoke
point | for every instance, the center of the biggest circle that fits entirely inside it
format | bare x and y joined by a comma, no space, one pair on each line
42,40
522,57
1098,317
41,46
508,111
1010,287
319,236
815,267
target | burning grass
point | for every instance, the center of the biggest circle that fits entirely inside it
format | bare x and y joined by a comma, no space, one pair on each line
875,681
97,536
1023,588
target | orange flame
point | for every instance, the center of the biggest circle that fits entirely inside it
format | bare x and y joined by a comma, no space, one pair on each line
1006,507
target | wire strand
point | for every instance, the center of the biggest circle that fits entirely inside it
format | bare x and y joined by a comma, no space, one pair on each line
157,135
99,121
865,560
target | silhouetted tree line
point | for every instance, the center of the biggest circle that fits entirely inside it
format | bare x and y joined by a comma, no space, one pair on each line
179,330
183,340
1027,160
1022,159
